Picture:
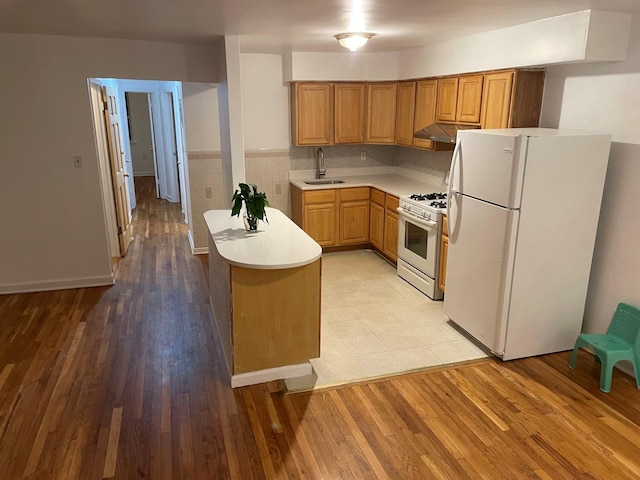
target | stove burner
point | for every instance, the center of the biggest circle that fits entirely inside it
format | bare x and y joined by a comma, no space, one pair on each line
438,204
428,196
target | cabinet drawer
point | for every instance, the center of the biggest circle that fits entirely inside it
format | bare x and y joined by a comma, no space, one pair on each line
377,196
350,194
319,196
391,202
445,223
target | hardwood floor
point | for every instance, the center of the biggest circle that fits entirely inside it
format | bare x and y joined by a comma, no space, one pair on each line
128,382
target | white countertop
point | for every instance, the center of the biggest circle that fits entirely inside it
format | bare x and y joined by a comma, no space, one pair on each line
275,245
393,183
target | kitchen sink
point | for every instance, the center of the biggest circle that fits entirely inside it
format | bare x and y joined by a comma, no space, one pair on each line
323,181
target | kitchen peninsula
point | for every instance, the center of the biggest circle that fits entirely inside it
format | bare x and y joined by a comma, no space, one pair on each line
265,296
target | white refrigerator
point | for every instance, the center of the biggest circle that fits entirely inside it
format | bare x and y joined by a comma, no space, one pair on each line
523,209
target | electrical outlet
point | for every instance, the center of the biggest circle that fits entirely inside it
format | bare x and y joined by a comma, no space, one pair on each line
278,189
208,192
77,161
363,156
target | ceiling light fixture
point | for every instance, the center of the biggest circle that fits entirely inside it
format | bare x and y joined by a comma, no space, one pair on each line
353,40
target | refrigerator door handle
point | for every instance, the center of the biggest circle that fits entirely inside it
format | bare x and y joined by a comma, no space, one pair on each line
451,191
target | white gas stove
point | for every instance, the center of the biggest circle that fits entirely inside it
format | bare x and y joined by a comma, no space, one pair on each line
419,230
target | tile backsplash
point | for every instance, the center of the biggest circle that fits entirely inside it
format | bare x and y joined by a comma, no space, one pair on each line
269,171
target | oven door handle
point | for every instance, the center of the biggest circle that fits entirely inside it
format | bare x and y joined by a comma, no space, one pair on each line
419,221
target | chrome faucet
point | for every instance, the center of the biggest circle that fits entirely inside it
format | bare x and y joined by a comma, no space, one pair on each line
320,170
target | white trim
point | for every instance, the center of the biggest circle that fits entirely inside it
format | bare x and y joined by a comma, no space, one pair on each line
190,238
269,374
84,282
194,250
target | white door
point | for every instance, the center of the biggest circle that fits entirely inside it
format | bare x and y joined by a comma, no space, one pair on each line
489,167
118,174
478,263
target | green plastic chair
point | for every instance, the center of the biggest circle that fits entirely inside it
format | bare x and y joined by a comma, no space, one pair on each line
621,342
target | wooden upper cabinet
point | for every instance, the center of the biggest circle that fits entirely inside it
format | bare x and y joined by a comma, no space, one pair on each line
526,99
405,108
496,100
349,112
469,98
447,98
425,111
381,112
312,121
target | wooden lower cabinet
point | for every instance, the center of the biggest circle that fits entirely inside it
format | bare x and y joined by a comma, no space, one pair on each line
390,244
376,226
332,217
444,250
320,223
354,222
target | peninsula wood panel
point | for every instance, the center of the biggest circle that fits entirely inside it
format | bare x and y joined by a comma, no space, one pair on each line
220,301
290,299
350,112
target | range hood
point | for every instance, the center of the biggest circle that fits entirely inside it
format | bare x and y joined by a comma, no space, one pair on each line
442,132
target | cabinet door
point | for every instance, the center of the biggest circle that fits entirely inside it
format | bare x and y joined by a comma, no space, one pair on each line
313,113
390,247
349,112
447,98
381,112
354,222
496,100
469,98
425,111
404,113
320,223
442,272
376,225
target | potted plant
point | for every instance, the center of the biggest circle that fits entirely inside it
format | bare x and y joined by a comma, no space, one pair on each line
254,203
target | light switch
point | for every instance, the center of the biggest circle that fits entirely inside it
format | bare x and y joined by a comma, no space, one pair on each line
77,161
278,188
208,192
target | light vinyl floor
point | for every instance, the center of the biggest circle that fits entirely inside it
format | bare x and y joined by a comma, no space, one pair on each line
375,324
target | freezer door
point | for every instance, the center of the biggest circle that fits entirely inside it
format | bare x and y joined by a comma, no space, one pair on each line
479,266
490,167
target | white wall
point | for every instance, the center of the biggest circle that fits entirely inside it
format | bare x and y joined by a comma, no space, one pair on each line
265,102
202,126
575,37
140,132
606,97
54,232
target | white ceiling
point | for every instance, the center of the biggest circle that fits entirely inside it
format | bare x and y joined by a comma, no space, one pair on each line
274,26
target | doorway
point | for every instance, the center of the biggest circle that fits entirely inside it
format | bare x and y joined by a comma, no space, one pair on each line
150,144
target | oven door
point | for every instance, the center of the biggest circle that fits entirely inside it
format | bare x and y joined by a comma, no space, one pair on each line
418,242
